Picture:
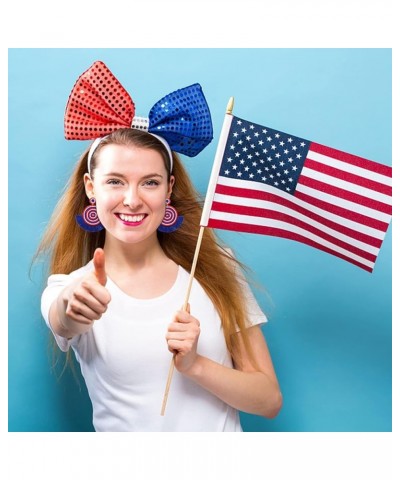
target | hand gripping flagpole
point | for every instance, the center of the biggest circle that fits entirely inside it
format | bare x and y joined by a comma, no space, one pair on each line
203,223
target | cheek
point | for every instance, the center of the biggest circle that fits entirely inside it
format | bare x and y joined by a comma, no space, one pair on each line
162,203
158,210
156,200
107,202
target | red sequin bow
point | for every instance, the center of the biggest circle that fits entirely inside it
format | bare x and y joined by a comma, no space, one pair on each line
99,104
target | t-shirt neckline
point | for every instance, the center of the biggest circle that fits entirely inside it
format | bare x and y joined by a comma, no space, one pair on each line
171,291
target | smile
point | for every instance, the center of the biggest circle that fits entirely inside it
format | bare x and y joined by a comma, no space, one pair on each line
131,219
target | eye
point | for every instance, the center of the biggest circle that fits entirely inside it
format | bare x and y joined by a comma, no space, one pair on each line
114,181
151,183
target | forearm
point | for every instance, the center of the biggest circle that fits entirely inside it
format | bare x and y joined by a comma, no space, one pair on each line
58,319
251,392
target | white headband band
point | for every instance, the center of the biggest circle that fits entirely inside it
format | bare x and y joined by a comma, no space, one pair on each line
138,123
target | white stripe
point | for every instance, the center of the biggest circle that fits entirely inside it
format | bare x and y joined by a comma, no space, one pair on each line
353,207
340,202
251,202
347,167
350,187
249,220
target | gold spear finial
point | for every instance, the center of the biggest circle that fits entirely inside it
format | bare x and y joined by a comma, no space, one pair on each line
229,108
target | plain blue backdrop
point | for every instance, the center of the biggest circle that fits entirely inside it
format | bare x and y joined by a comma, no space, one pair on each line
329,329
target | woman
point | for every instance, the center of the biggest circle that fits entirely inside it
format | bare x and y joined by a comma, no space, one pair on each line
115,297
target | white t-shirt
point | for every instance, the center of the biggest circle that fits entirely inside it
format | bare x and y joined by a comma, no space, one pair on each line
125,361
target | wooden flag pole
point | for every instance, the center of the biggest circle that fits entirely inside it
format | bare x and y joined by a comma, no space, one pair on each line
229,109
185,305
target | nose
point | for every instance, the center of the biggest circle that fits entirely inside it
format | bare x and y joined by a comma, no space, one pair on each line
132,198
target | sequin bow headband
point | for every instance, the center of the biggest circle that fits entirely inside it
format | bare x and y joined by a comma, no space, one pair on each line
98,105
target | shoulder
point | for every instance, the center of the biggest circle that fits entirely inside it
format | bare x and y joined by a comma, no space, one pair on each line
58,279
255,316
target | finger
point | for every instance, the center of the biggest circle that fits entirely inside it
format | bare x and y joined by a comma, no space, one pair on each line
177,346
180,347
81,319
176,336
92,302
177,327
172,350
90,287
99,262
184,317
79,311
88,306
99,293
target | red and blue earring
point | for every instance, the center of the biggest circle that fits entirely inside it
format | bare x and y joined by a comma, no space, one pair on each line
171,221
89,219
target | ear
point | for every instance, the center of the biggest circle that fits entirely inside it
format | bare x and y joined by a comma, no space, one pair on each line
89,187
171,184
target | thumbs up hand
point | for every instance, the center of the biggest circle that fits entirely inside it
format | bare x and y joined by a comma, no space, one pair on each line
83,301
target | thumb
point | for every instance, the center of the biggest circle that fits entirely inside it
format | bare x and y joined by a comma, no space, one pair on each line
99,262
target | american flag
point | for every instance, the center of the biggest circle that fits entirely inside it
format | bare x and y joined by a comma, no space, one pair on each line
273,183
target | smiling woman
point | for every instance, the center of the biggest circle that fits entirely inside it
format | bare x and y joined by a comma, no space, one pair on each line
115,296
131,185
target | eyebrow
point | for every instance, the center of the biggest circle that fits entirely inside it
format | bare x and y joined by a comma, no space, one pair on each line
145,177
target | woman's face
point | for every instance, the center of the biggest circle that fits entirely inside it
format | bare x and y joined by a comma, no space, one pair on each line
130,185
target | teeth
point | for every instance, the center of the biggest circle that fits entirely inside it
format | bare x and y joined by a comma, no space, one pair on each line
131,218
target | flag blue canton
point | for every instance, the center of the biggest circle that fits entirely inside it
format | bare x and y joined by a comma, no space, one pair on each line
261,154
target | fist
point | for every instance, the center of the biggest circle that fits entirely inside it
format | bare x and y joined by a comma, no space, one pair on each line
182,338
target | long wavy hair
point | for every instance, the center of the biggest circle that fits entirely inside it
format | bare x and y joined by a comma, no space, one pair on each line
69,247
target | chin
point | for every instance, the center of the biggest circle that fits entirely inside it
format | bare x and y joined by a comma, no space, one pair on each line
132,237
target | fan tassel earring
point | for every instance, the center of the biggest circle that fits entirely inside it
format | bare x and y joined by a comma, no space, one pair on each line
171,221
89,220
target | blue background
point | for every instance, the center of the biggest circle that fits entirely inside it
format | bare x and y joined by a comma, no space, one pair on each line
329,329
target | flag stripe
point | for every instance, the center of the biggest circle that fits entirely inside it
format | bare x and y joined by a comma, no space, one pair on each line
347,217
347,167
348,187
352,159
340,195
274,230
348,244
351,178
366,224
271,209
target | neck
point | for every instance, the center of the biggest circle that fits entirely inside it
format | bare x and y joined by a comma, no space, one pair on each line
133,256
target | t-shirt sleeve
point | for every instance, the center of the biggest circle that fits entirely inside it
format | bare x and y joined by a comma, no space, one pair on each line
55,284
255,316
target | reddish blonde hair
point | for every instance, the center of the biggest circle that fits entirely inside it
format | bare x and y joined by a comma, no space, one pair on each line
70,247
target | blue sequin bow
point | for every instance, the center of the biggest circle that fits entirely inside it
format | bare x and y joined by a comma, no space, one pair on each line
98,105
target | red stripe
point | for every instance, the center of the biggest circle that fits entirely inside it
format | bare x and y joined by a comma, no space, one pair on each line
345,194
343,212
276,232
290,220
287,202
348,177
352,159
